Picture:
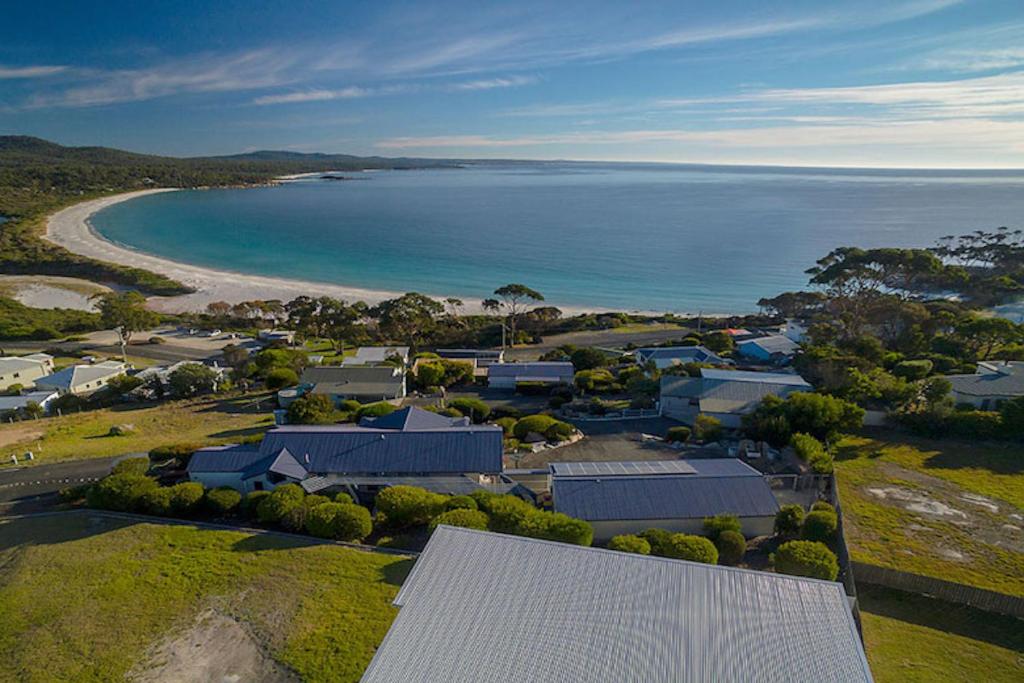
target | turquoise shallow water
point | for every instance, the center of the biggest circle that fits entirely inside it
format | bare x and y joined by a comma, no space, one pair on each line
634,237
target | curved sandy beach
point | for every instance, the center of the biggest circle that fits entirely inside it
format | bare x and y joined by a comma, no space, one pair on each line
70,229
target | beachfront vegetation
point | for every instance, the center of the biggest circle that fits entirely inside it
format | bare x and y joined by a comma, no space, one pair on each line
331,605
18,321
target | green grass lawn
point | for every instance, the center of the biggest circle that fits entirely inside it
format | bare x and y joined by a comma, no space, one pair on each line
913,639
966,540
84,598
84,435
640,328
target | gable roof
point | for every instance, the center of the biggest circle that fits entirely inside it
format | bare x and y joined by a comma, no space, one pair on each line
411,417
376,354
19,402
997,379
480,606
731,391
772,344
232,458
19,363
366,380
77,375
684,354
712,487
544,369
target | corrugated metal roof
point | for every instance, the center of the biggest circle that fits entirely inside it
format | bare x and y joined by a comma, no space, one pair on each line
76,375
620,469
377,354
451,486
480,606
553,369
232,458
776,343
731,391
1004,379
486,354
287,465
663,496
19,402
684,354
413,418
755,377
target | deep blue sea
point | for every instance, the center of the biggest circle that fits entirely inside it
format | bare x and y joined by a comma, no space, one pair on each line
623,236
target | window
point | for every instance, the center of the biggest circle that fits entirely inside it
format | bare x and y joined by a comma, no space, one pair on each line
257,486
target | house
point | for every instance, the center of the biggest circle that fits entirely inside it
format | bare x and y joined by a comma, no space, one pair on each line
795,330
669,356
775,348
363,383
24,370
675,495
378,355
481,359
509,375
724,394
286,337
43,398
992,383
481,606
408,446
82,380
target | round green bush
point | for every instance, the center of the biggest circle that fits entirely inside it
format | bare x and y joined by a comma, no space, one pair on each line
223,500
507,424
404,506
820,525
120,492
714,526
563,528
806,558
136,465
343,497
560,431
462,517
731,547
658,540
251,502
533,424
180,452
379,409
157,501
678,434
630,543
472,407
186,497
461,503
272,509
350,406
822,505
294,518
340,521
788,520
693,548
279,378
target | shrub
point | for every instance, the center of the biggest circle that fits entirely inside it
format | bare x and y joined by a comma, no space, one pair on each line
533,424
379,409
693,548
820,525
429,374
714,526
473,407
251,503
461,503
507,424
404,506
272,509
658,540
344,498
157,340
707,428
588,359
181,453
223,500
279,378
137,465
822,505
731,547
192,379
913,370
73,494
678,434
509,515
630,543
559,431
120,492
563,528
186,497
121,430
295,517
157,501
311,409
122,384
788,520
463,517
341,521
806,558
812,452
350,406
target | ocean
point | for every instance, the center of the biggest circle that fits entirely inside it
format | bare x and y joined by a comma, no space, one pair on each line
621,236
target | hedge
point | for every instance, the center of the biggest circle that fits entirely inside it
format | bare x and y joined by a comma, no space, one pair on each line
186,497
120,492
533,424
678,434
630,543
252,501
404,506
806,558
181,452
714,526
223,500
279,378
341,521
461,503
820,525
136,465
472,407
462,517
379,409
272,509
788,520
658,539
731,547
693,548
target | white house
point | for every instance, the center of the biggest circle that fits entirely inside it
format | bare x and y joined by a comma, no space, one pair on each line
669,356
724,394
993,383
18,403
363,383
796,330
378,355
24,370
82,380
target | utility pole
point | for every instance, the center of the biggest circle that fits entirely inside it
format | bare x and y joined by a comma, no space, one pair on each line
120,337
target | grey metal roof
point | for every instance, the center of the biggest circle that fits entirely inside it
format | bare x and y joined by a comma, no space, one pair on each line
411,417
684,354
773,344
731,391
620,469
700,494
19,402
76,375
480,606
287,465
550,370
486,354
788,379
343,374
377,354
451,485
996,379
233,458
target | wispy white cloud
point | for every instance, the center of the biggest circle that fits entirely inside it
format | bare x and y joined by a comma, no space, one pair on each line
357,92
320,95
492,83
39,71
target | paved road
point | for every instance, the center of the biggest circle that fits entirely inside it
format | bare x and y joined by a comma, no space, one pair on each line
35,487
601,338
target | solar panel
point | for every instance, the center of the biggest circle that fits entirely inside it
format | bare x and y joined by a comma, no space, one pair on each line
621,469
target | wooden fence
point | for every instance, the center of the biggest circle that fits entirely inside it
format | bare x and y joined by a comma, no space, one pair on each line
957,593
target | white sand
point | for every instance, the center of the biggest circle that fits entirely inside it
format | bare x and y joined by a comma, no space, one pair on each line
70,229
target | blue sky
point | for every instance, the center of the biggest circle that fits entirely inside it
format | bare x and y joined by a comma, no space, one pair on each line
917,83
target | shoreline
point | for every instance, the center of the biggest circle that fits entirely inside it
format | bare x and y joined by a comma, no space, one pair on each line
71,228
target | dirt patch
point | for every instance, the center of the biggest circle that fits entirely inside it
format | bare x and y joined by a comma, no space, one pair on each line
16,434
216,649
916,501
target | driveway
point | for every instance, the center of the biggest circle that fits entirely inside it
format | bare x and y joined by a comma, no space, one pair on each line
34,487
609,440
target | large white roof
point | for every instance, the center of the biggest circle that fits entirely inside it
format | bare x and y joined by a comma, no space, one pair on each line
480,606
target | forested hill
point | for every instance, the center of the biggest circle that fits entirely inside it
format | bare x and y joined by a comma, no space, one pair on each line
35,165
